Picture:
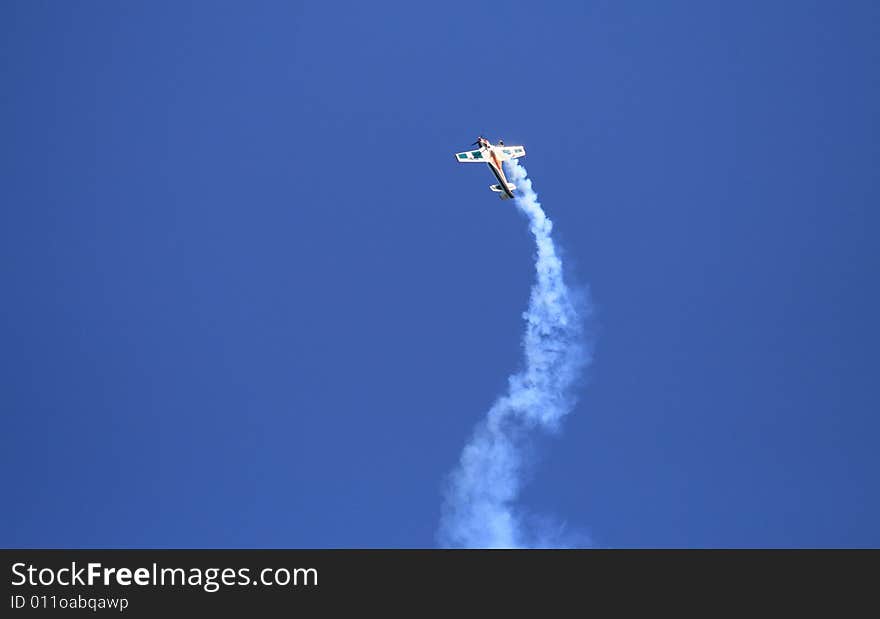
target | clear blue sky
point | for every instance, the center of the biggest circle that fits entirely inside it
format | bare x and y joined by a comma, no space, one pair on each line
249,299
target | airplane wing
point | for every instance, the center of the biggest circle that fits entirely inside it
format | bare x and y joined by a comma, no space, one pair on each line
510,152
472,156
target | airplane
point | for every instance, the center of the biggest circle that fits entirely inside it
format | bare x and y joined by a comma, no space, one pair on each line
493,155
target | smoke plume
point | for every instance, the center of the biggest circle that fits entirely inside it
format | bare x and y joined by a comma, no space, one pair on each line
480,508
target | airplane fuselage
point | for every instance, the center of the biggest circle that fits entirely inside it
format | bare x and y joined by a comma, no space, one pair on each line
498,171
494,163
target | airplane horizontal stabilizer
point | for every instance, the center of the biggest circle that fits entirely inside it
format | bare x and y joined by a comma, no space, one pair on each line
501,193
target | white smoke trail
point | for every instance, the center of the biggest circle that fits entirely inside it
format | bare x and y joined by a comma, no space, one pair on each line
479,510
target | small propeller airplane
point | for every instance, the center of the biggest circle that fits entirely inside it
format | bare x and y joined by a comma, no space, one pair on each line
493,155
